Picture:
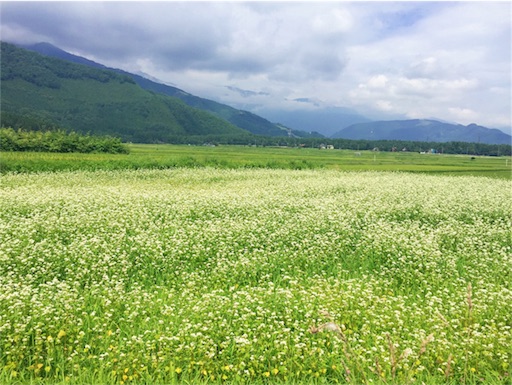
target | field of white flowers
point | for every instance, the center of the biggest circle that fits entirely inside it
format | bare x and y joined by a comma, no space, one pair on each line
254,276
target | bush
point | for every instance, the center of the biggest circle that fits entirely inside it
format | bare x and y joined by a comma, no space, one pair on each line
58,141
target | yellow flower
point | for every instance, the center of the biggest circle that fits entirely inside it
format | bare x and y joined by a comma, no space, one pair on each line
178,370
47,369
275,371
266,374
473,370
224,377
61,334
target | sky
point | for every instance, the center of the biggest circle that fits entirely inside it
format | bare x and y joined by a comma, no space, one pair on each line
386,60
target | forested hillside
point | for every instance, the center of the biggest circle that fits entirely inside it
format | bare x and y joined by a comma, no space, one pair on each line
243,119
56,93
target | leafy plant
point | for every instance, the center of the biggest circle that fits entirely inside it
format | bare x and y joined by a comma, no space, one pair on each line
58,141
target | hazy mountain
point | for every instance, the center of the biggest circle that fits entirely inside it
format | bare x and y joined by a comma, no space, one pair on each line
240,118
39,91
326,121
423,130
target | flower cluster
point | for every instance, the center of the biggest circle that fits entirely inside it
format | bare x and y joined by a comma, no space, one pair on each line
222,275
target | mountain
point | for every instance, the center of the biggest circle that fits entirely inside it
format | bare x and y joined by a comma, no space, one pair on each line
45,91
240,118
423,130
48,49
146,116
325,120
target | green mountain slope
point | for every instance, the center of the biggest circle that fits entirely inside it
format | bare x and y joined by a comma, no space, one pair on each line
243,119
41,88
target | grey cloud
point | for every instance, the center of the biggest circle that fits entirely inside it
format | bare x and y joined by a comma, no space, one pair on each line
237,38
325,50
172,34
246,93
326,66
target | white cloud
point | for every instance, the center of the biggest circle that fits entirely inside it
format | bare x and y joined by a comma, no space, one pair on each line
465,114
384,105
452,64
379,81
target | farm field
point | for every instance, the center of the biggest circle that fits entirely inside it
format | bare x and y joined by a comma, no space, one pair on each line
231,157
256,275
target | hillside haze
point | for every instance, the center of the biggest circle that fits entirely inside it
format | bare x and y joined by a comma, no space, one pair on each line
325,120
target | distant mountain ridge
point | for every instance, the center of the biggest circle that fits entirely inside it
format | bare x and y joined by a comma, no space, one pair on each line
423,130
325,120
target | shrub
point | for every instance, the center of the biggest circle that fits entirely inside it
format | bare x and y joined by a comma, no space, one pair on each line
58,141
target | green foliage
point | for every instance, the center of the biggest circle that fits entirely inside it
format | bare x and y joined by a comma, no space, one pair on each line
58,141
46,92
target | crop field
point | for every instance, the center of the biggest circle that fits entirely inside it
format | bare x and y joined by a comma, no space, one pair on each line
144,156
216,275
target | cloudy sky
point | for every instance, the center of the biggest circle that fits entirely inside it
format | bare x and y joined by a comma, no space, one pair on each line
445,60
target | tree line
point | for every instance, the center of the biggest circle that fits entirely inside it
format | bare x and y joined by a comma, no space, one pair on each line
462,148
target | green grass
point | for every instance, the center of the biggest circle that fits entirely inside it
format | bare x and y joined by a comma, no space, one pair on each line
233,157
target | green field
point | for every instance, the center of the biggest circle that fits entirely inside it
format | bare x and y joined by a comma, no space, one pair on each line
232,265
168,156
